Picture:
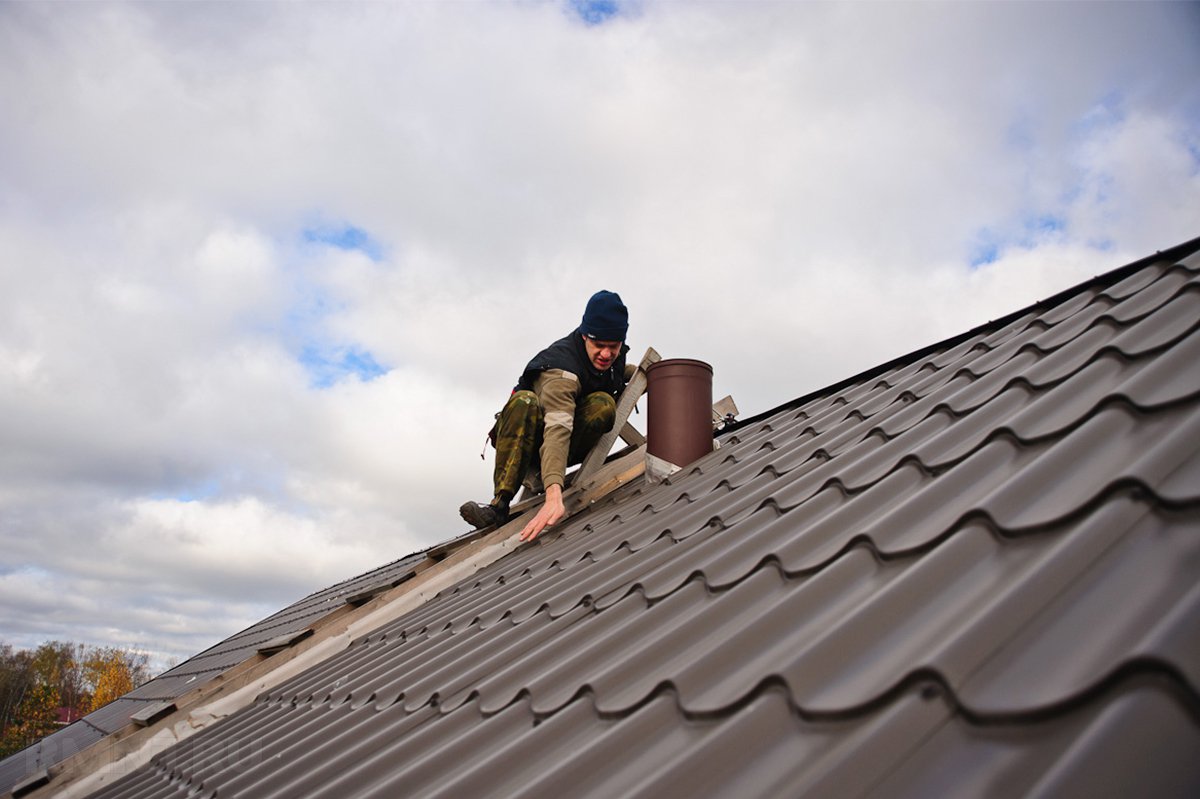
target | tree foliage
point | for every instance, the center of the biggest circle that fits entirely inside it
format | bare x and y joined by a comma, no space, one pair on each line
111,673
43,689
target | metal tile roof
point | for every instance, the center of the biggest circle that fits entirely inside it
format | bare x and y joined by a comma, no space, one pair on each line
195,672
972,571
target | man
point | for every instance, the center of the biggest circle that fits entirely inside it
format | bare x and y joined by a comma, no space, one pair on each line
564,401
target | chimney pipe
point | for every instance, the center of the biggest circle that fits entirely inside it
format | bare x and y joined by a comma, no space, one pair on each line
679,416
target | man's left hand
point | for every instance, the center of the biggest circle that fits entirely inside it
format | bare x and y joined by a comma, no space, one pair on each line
550,513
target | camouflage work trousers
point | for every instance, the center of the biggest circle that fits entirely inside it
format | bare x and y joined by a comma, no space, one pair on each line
518,436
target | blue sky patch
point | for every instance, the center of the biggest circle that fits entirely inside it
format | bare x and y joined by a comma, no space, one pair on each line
304,329
594,12
1044,224
984,252
989,243
345,237
330,365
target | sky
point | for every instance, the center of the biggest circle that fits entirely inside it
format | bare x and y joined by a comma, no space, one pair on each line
268,270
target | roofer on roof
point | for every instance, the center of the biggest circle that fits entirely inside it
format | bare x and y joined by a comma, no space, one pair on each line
564,401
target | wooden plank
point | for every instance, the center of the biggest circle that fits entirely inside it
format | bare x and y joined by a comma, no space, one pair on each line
583,494
606,480
605,473
632,435
629,397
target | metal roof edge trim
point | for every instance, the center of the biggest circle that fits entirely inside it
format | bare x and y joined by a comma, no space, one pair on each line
1175,253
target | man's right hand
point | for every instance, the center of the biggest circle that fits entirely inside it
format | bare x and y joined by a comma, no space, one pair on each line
551,512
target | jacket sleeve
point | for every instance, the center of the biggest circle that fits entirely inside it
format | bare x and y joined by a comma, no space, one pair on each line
557,391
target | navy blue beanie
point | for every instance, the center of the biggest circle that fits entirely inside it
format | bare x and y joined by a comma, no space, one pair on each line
606,317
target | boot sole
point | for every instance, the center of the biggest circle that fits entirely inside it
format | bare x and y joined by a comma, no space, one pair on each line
478,516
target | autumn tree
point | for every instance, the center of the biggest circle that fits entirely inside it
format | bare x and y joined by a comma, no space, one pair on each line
35,685
16,685
112,673
57,664
35,718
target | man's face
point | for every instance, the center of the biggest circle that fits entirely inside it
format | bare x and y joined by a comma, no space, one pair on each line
602,353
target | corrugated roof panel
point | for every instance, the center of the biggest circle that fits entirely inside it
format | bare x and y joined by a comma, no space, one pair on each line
1167,378
1070,328
1164,289
916,745
1069,307
116,714
971,572
1137,280
1166,324
979,567
1085,751
64,743
941,359
195,671
448,650
1127,594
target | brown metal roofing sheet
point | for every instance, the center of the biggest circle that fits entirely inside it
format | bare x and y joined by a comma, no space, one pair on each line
977,565
917,745
1084,752
939,360
1136,281
1165,288
52,749
1168,378
1069,307
1072,327
194,672
972,573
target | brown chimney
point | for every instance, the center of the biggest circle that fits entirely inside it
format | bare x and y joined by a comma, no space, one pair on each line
679,415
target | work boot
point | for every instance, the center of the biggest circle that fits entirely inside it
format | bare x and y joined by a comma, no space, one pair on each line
480,516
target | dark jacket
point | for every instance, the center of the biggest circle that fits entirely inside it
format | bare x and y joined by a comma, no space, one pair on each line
569,354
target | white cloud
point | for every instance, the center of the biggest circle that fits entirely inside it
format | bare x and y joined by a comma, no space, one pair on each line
792,191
